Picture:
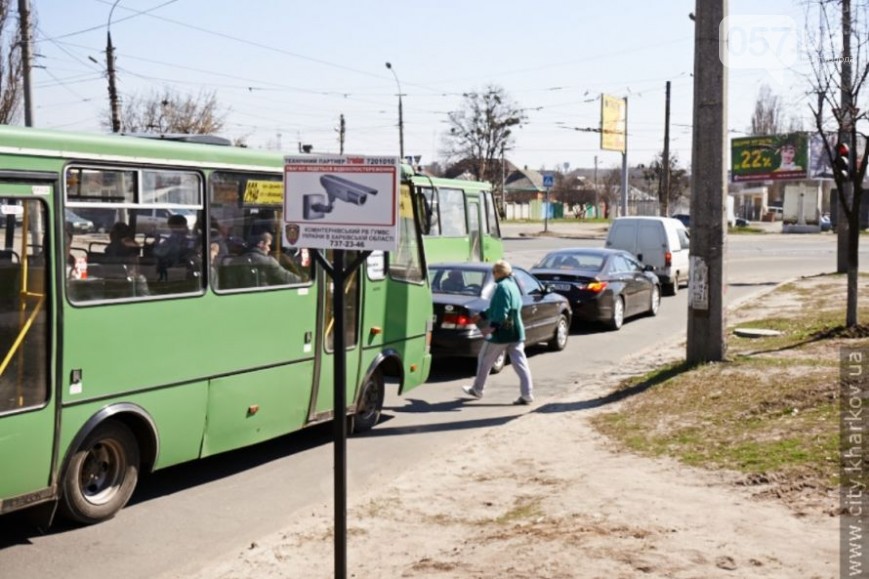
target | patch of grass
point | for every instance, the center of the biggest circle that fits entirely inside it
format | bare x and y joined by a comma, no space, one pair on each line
749,230
770,411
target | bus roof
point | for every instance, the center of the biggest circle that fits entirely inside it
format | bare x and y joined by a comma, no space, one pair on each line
48,143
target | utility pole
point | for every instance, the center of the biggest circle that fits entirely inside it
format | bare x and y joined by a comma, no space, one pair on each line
625,184
341,131
665,161
110,69
400,113
596,192
503,181
845,112
26,59
706,323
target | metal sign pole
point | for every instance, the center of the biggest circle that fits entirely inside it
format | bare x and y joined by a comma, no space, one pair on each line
339,275
314,219
340,415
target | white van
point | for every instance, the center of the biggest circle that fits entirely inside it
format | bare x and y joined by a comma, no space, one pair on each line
661,242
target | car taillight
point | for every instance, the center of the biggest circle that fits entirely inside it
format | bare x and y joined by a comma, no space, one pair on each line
595,286
668,259
454,321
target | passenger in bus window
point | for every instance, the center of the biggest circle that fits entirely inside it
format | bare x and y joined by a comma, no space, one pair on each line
70,258
271,271
122,245
228,244
214,259
175,249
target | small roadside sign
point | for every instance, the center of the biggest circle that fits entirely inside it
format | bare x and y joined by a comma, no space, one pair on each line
341,202
548,181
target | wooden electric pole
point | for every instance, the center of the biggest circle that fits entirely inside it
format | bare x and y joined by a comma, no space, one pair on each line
26,59
341,132
845,96
706,323
665,160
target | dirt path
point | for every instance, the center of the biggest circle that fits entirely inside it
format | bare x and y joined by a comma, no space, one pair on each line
545,496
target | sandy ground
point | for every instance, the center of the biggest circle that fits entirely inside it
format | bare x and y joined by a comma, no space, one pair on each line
546,496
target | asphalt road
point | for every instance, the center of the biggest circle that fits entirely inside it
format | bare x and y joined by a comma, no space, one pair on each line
187,515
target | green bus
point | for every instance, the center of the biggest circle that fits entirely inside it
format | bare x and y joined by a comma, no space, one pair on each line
460,221
151,314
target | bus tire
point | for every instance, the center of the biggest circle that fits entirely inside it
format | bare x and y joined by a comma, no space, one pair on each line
101,475
370,403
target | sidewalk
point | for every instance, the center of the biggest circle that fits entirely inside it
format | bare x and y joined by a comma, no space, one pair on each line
545,496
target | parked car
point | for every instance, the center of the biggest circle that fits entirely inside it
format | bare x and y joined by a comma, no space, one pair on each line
602,285
461,290
661,242
77,223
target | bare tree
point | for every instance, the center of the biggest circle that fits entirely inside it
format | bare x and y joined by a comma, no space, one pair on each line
768,117
611,190
838,78
169,112
482,130
11,65
678,183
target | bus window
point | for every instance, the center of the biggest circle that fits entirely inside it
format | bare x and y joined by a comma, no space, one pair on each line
474,230
24,328
452,212
492,227
405,264
244,207
431,218
134,233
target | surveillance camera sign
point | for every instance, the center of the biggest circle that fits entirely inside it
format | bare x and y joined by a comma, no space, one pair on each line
341,202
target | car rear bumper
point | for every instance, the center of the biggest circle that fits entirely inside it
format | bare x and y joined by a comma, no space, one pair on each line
591,310
461,344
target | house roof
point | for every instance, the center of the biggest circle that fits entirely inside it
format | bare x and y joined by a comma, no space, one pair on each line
524,180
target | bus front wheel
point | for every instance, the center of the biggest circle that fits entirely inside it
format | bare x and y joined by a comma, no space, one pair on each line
101,475
370,403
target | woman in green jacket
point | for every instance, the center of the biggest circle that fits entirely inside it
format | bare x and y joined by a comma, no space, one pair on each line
504,317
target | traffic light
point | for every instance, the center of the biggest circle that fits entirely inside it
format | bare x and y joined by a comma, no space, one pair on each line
843,162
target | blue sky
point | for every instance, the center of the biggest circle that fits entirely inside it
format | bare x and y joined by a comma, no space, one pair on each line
285,70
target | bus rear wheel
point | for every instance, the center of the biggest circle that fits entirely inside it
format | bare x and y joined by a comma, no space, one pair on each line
370,403
101,475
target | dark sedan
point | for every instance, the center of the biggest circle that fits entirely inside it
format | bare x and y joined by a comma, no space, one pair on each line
602,285
464,289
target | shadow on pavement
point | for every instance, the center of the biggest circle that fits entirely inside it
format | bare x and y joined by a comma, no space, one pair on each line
613,397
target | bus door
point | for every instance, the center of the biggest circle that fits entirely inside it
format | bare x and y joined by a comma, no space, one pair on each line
492,244
324,395
27,407
475,233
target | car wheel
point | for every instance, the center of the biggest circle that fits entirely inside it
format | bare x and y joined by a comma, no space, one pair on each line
655,301
370,404
499,363
559,338
672,288
618,317
101,475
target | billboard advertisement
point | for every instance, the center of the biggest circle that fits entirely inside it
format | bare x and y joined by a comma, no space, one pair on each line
341,202
613,112
769,157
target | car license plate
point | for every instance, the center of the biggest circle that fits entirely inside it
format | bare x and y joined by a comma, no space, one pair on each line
564,287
